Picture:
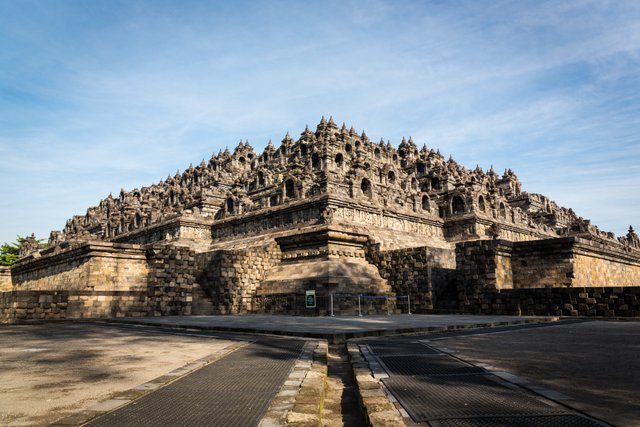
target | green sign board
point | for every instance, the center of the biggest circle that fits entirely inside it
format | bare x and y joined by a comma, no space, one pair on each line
310,299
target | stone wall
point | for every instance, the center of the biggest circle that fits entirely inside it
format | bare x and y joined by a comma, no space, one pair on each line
565,262
230,277
98,279
5,279
191,228
100,304
568,276
574,262
481,267
295,214
590,301
32,305
349,213
598,263
171,280
329,260
94,265
475,226
75,304
423,272
543,263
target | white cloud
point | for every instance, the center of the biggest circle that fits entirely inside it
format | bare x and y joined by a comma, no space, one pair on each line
124,95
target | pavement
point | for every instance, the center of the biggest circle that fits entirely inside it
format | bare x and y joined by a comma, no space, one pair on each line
334,329
566,373
592,367
240,370
233,391
53,370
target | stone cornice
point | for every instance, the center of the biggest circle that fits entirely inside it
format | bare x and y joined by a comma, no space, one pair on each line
351,204
81,252
170,224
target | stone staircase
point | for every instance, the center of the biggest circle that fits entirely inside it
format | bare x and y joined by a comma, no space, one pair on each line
202,304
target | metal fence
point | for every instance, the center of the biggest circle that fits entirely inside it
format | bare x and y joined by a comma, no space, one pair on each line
326,305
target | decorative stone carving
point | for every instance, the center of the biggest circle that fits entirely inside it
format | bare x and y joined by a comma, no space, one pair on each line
331,211
29,245
332,162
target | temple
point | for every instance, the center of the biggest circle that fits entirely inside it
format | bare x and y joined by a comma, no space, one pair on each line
333,212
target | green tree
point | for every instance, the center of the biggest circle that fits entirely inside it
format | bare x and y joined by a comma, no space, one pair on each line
9,251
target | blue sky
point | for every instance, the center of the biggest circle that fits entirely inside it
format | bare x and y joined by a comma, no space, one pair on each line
101,95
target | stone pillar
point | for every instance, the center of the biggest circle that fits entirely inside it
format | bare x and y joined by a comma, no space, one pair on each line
483,268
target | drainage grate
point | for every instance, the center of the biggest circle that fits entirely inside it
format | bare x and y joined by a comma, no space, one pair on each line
234,390
401,348
463,396
427,365
526,421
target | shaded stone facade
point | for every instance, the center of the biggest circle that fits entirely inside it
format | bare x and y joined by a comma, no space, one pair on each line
331,211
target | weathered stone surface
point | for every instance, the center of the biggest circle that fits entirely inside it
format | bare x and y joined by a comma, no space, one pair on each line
332,212
567,276
91,265
6,283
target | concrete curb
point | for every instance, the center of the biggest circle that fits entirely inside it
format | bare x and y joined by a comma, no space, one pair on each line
376,404
307,409
301,395
379,406
336,338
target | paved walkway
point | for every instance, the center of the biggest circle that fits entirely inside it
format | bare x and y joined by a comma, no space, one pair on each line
450,371
438,389
335,329
590,366
233,391
573,372
56,369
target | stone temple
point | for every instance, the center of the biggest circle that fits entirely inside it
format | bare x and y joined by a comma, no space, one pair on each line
334,212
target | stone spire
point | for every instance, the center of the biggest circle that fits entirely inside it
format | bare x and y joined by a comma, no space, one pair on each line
332,125
287,139
322,125
239,147
307,133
